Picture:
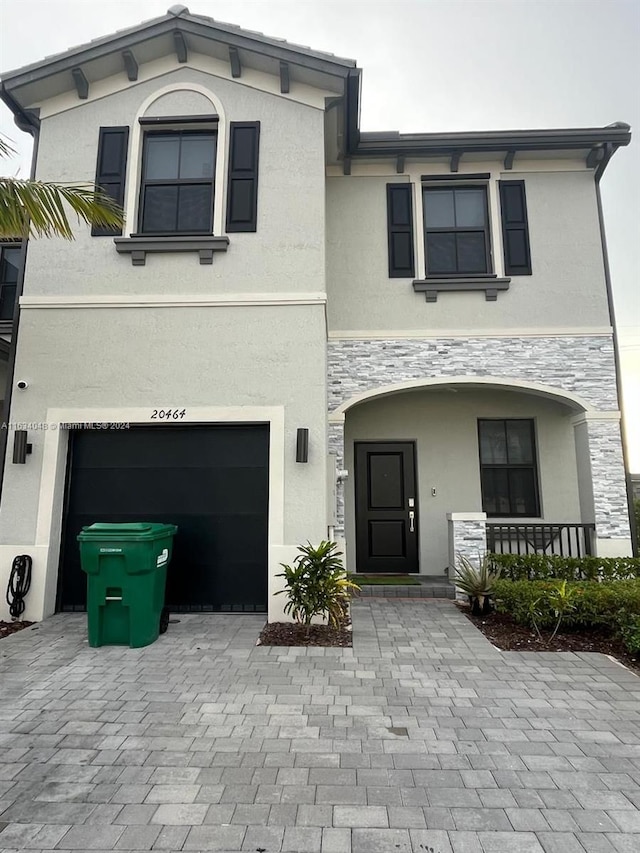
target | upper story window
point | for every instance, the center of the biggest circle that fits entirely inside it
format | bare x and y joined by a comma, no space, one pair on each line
508,472
9,265
180,183
460,217
176,193
456,231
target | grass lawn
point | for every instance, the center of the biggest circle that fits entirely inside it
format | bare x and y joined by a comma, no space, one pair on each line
387,580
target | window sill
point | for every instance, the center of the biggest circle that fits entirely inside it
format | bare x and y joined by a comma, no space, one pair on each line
433,285
138,247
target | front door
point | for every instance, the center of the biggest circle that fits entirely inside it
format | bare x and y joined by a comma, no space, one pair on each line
386,507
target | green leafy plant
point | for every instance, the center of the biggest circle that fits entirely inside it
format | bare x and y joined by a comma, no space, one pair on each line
535,614
629,625
560,600
477,582
610,607
317,585
40,208
539,567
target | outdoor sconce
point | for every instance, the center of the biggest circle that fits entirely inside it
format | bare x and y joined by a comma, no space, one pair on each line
20,447
302,445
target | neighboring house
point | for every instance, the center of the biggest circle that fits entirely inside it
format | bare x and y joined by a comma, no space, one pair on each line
433,309
635,486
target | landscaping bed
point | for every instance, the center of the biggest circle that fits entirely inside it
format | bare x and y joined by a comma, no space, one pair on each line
501,630
295,634
7,628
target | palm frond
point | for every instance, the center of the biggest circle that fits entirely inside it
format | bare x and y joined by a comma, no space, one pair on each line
39,208
5,149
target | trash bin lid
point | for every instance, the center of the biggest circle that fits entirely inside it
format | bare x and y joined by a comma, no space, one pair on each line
127,530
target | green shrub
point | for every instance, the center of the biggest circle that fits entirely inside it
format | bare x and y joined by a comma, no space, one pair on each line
613,606
532,567
317,584
629,627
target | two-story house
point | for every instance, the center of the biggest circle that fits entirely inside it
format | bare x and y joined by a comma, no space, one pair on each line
403,342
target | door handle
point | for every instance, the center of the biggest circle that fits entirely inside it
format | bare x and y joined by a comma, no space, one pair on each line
412,517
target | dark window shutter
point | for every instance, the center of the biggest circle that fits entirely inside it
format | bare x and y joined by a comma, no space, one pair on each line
515,229
242,191
400,230
111,170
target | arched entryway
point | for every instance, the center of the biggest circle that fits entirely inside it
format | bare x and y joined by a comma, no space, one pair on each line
417,452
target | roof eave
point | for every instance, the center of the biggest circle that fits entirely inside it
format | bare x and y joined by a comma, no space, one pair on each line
433,144
128,39
25,120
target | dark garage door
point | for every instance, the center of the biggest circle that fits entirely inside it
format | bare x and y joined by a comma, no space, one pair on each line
213,482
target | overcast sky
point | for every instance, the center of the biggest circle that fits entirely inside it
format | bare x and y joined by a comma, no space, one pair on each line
433,65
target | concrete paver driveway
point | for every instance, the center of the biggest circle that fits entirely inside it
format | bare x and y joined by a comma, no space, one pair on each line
421,738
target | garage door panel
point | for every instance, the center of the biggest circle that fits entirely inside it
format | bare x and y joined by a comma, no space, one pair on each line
226,491
220,551
133,449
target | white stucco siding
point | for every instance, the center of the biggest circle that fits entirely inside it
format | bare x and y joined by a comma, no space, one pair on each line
444,426
566,289
286,252
128,359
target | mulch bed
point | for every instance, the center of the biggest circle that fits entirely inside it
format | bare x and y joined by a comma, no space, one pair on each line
292,634
508,636
7,628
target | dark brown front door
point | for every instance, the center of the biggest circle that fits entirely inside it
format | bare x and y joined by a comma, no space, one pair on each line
386,507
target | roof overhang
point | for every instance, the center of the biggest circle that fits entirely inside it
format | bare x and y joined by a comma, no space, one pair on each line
176,32
181,34
595,144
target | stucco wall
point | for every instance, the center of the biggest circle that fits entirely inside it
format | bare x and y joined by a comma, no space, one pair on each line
175,358
566,289
286,253
444,426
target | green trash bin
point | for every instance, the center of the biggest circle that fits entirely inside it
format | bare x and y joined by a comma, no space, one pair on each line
126,567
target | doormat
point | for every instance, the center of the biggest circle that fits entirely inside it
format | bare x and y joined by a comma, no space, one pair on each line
384,580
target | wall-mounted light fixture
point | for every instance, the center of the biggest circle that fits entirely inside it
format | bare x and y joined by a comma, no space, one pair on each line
302,445
20,447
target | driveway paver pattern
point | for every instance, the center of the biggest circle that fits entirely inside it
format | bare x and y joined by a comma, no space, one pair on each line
423,738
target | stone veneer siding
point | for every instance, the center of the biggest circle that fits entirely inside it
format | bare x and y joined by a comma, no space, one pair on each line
608,477
582,364
467,538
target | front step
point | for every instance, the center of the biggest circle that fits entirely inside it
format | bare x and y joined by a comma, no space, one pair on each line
430,587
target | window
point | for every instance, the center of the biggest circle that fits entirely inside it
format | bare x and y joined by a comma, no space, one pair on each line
456,231
176,195
508,468
9,265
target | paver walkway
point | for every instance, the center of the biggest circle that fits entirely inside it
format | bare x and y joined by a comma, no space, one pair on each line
423,738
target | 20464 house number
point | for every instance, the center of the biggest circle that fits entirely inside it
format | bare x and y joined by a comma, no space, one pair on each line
168,414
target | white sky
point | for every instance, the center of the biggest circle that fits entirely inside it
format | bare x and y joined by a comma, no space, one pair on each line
432,65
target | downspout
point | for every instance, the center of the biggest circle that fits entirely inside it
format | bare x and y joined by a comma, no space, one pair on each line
29,123
609,150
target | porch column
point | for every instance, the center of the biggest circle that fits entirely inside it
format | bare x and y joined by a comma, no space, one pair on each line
602,483
336,447
467,536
